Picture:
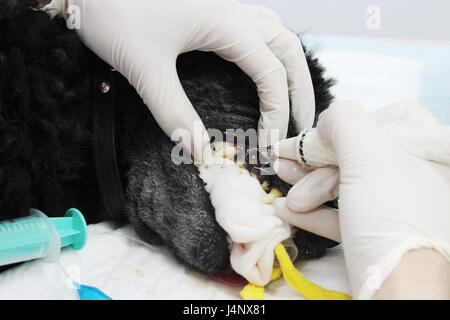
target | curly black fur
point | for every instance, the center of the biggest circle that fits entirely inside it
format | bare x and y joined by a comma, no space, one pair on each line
46,139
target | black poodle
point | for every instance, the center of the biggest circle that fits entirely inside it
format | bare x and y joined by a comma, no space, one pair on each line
53,97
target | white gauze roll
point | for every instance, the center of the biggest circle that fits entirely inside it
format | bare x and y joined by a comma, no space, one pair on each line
250,223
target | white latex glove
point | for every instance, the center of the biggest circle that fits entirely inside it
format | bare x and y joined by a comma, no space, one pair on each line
142,39
312,188
390,202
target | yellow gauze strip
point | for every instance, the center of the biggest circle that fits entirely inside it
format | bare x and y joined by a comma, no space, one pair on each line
308,289
292,276
254,292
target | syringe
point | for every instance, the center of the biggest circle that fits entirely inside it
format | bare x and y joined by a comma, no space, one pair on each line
38,236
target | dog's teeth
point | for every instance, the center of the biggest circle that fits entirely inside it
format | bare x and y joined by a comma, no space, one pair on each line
271,196
224,150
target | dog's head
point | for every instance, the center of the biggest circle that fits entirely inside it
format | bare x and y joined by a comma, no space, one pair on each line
229,100
167,202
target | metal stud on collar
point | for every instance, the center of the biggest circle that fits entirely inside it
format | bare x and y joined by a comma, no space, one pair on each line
105,87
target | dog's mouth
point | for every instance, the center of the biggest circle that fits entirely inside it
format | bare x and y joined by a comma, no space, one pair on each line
242,199
257,161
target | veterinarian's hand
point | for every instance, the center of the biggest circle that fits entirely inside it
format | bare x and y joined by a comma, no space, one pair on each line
390,202
312,188
142,39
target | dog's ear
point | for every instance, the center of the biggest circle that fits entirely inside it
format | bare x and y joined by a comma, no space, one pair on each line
322,90
322,85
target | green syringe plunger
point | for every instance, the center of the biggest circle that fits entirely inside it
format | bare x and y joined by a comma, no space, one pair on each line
38,236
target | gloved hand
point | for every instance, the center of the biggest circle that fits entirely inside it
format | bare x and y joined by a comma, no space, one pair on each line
312,188
142,39
390,202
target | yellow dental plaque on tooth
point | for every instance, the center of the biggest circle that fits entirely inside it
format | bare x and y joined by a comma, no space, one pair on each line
271,196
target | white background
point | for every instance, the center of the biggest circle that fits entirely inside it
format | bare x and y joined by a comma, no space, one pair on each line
405,19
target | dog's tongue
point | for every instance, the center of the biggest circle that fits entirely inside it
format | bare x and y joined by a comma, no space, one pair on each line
230,278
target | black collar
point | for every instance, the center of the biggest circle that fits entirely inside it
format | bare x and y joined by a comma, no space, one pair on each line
105,160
